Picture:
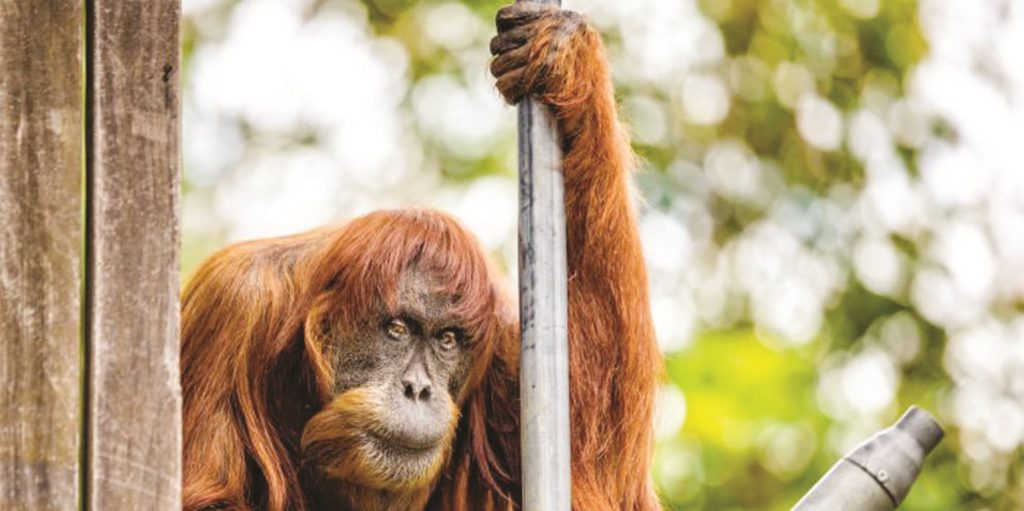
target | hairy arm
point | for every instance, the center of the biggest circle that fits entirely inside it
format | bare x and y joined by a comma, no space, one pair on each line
558,58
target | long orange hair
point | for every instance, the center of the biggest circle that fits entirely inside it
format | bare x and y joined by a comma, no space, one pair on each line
258,317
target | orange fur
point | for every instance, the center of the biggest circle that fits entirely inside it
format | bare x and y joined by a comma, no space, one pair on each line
256,317
333,436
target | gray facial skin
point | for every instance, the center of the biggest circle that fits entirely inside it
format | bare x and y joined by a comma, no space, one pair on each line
418,354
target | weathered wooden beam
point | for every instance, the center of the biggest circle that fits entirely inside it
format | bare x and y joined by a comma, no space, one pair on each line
133,164
543,310
40,247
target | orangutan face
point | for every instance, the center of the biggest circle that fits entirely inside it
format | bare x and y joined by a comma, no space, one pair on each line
393,414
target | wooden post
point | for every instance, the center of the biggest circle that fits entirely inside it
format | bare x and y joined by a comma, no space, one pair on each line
543,310
40,244
133,165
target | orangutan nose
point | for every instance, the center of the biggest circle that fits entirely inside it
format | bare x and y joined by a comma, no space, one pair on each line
416,383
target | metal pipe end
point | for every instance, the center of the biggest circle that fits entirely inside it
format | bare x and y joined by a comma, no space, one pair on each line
922,427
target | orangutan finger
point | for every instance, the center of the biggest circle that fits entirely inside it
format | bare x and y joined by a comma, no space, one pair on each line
520,13
512,38
508,61
512,85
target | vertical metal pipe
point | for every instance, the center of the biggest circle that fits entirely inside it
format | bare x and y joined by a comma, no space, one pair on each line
543,312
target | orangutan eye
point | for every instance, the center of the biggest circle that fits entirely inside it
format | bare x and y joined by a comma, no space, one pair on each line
397,329
449,340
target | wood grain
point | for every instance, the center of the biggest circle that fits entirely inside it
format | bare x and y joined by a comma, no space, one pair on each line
134,397
40,247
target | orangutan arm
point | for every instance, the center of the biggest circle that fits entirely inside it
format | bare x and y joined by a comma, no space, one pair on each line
558,58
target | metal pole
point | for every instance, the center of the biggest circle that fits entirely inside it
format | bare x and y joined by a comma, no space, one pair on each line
543,311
